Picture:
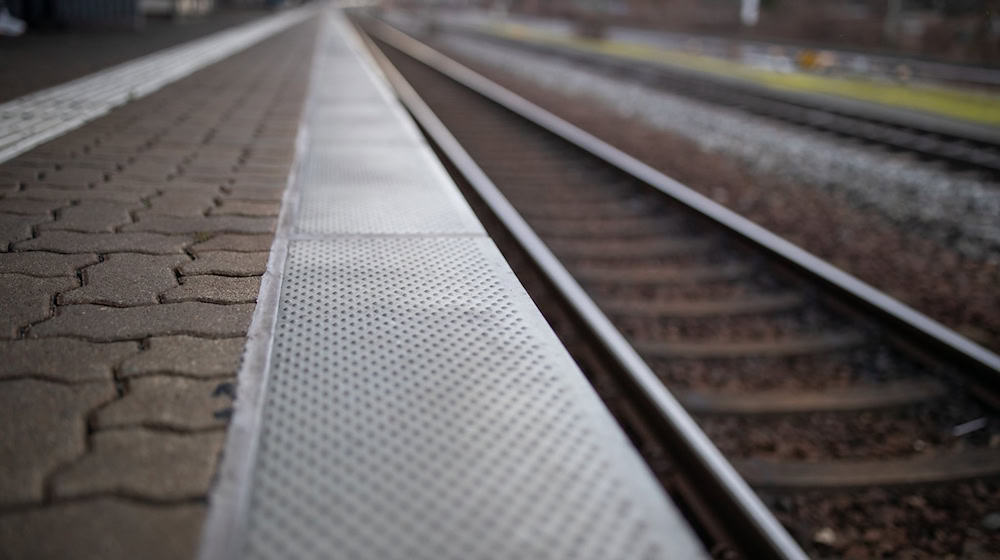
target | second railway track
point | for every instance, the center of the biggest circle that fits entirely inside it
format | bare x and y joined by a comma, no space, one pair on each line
863,433
964,147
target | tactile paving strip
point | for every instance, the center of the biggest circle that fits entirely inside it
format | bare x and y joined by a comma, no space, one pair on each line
379,190
419,407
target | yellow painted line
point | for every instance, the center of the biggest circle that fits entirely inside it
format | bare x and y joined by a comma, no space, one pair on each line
953,103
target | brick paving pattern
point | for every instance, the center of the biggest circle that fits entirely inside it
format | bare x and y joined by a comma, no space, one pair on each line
131,251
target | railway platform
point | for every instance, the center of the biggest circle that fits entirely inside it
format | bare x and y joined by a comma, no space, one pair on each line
248,314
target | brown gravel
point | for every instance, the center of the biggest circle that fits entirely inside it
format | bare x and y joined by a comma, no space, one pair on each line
946,522
882,434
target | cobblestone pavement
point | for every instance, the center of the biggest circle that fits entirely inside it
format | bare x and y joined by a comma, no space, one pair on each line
131,251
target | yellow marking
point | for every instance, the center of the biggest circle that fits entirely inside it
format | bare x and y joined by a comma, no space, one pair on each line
959,104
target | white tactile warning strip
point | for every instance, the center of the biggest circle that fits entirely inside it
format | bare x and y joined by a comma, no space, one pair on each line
412,402
37,117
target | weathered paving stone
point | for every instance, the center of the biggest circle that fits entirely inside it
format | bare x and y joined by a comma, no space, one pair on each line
125,279
234,242
72,177
67,196
62,359
186,355
215,289
174,224
170,402
75,242
140,462
40,263
227,263
246,208
91,216
273,194
102,529
14,228
180,203
100,323
28,207
26,299
41,426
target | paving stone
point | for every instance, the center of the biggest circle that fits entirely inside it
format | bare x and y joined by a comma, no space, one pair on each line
100,323
65,196
247,208
14,228
62,359
180,203
26,206
173,224
235,242
91,216
72,177
273,194
215,289
169,402
227,263
186,355
140,462
149,170
126,279
75,242
42,425
27,299
40,263
258,181
102,529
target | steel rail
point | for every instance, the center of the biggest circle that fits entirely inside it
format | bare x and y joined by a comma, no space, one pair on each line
759,531
984,364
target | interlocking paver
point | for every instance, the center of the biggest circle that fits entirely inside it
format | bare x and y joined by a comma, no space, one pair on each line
14,227
102,529
41,427
175,224
125,279
170,402
181,203
273,194
216,289
234,242
101,323
226,263
40,263
91,216
186,355
62,359
65,196
131,461
72,177
75,242
28,207
247,208
27,299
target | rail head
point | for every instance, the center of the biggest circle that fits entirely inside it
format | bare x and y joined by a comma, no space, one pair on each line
775,540
986,364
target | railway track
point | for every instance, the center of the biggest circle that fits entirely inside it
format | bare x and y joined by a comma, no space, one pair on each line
846,412
962,148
